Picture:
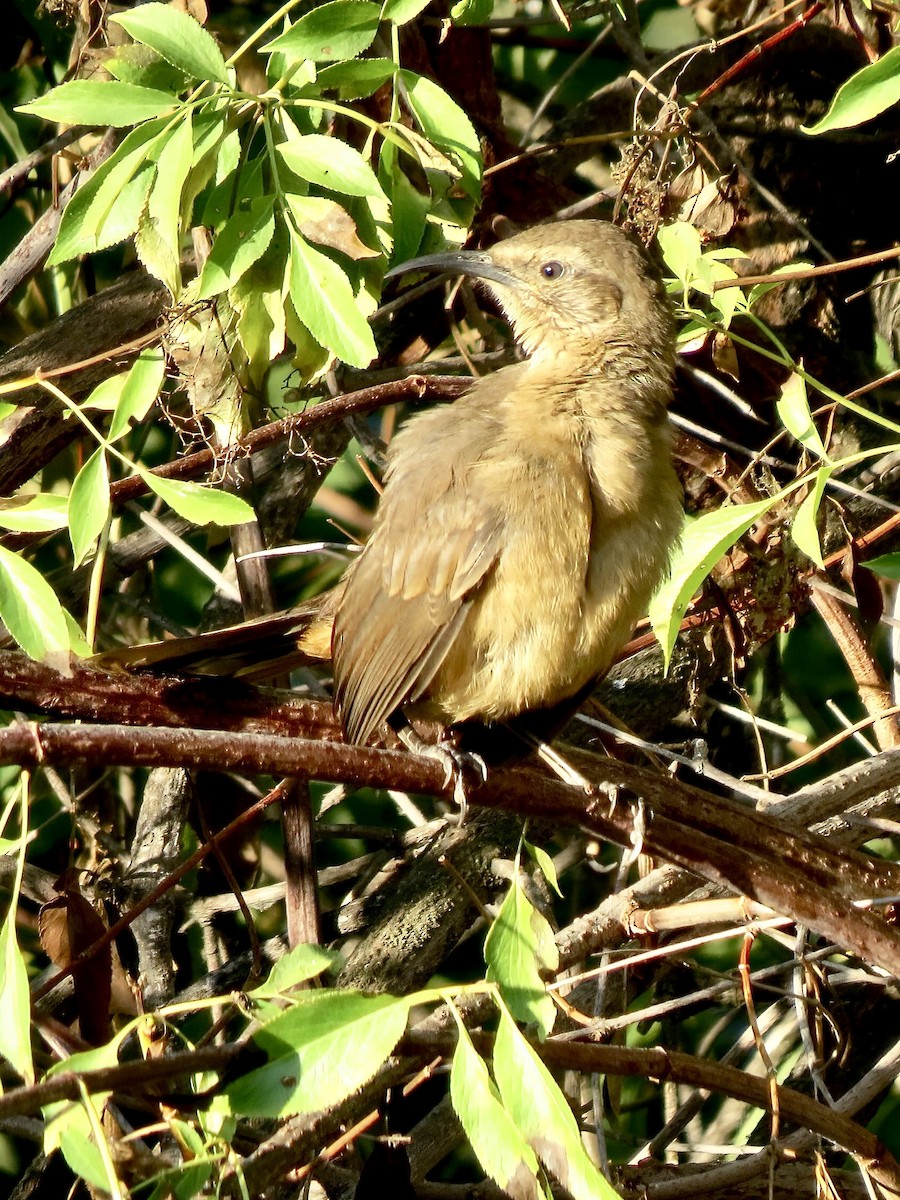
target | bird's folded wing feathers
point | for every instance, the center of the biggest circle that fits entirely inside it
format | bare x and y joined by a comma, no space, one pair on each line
407,599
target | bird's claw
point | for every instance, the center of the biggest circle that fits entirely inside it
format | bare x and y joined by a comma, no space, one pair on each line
456,763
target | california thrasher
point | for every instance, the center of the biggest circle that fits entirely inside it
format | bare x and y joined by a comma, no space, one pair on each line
523,528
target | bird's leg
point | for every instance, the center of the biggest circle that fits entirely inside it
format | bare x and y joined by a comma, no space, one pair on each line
454,760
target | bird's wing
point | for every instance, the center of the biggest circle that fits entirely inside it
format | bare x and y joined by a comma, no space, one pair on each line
407,596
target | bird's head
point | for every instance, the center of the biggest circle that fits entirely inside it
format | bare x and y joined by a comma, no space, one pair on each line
569,284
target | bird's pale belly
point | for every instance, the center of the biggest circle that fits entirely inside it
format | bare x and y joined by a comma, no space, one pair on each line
520,650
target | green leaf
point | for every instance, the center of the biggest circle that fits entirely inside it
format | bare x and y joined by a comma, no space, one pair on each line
258,299
681,249
760,289
243,239
542,1114
338,30
320,1051
158,240
401,11
703,543
446,125
15,1001
89,504
107,394
886,565
143,66
106,208
545,864
471,12
78,643
804,528
82,1156
139,390
199,504
519,943
38,514
67,1124
325,303
793,411
30,610
865,95
498,1145
356,79
409,206
302,963
180,40
100,102
331,164
242,182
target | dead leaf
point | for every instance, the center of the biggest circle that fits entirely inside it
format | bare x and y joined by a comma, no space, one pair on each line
328,224
67,926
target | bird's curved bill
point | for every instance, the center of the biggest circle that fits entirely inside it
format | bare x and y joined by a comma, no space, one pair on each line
456,262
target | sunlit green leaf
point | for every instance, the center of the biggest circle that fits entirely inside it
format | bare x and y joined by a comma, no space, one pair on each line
471,12
356,79
541,1112
331,164
15,1001
83,1158
78,643
545,863
446,125
139,390
703,543
89,504
30,610
180,40
144,67
259,299
331,32
401,11
107,394
501,1149
518,945
158,239
325,303
242,240
328,1044
409,206
795,416
865,95
681,248
199,504
100,102
303,962
804,527
38,514
106,208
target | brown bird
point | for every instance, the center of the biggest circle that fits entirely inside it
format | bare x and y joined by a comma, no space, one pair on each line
523,528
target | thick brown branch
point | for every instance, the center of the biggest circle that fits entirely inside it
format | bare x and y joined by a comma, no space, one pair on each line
662,1065
798,874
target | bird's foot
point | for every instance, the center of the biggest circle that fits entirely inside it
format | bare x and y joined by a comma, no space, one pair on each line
457,763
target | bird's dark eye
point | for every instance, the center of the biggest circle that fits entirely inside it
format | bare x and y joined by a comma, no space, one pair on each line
552,270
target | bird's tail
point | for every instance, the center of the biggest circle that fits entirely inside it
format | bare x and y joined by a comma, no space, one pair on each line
256,650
